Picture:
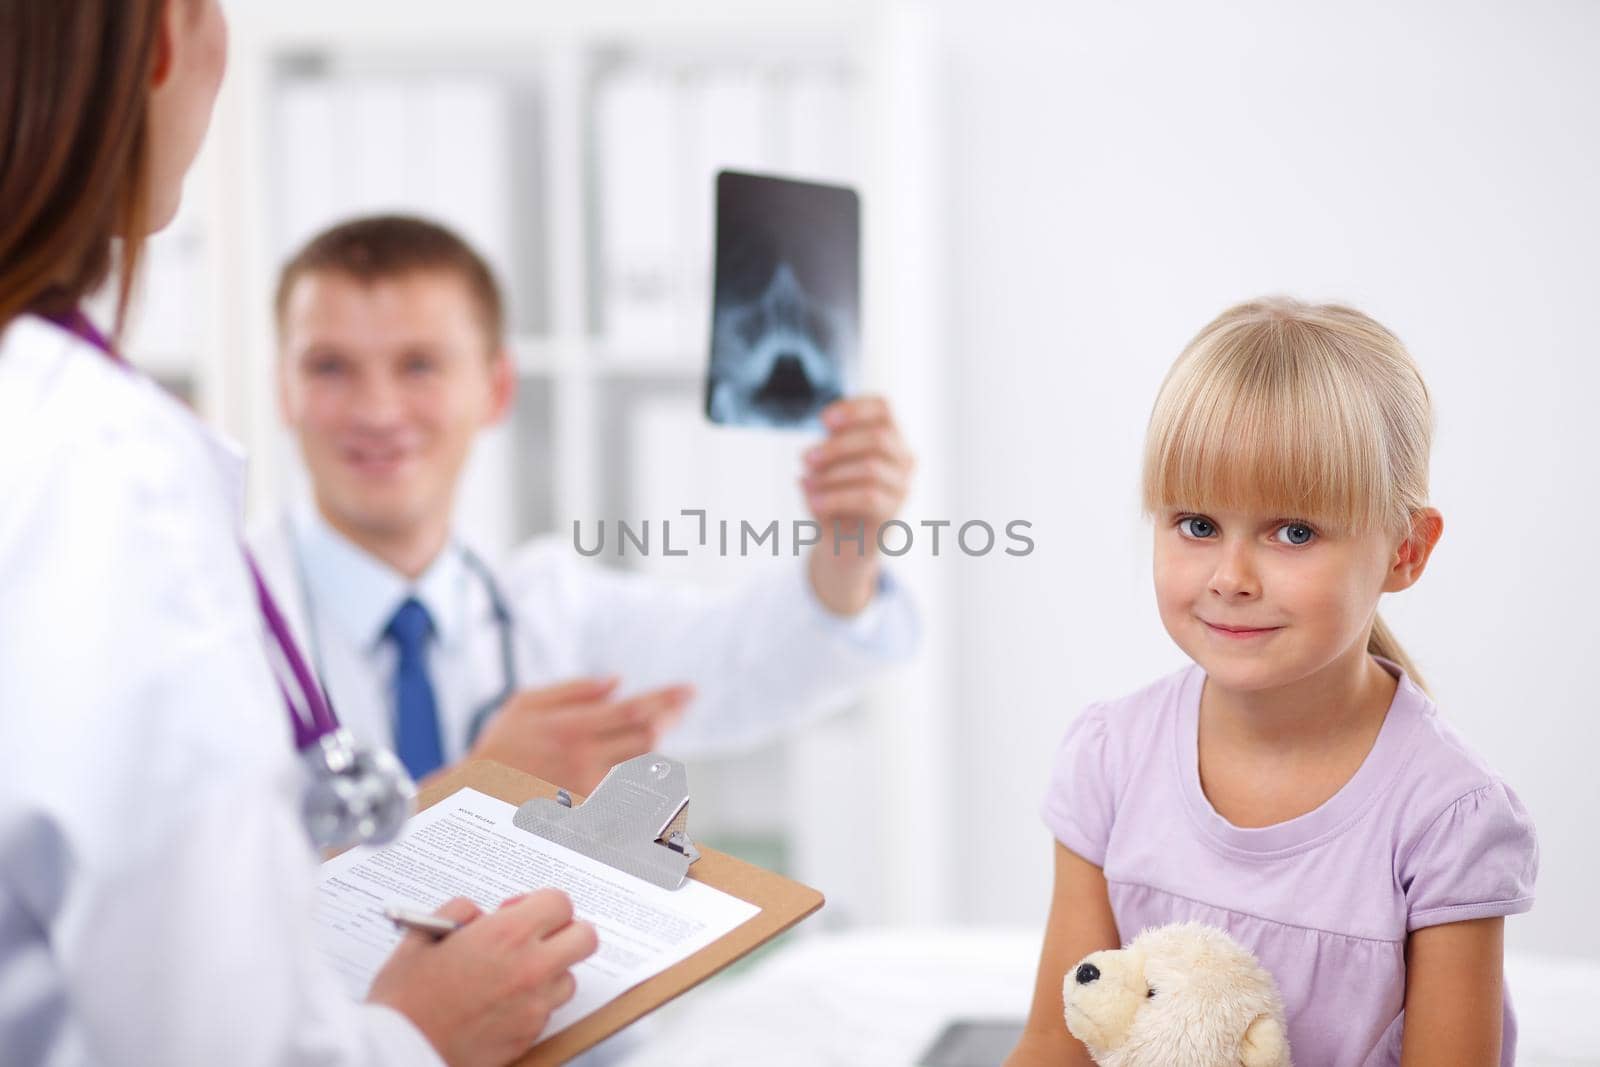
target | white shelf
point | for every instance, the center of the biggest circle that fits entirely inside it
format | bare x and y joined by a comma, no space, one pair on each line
647,366
538,357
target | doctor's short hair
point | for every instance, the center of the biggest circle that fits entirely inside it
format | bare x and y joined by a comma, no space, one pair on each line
383,247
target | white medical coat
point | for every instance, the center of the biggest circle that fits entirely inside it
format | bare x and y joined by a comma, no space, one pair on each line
762,656
156,885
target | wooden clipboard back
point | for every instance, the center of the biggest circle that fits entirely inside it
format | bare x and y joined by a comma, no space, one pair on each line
783,903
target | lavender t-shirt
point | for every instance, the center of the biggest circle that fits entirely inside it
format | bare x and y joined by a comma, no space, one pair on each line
1423,833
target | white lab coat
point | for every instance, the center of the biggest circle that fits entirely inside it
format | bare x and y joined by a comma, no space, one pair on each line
156,885
763,656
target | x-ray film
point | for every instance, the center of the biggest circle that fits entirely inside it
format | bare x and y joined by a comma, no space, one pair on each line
786,318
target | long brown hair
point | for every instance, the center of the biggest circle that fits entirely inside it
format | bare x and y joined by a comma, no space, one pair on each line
75,80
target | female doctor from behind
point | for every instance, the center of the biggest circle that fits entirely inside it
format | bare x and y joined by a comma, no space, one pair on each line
155,879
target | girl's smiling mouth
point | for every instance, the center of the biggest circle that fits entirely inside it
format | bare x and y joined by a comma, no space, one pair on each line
1240,633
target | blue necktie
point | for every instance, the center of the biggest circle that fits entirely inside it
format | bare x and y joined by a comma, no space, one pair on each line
416,726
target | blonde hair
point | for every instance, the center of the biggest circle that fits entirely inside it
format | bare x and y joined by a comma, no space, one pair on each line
1305,410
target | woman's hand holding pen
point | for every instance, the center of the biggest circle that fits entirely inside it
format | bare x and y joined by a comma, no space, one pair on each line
483,994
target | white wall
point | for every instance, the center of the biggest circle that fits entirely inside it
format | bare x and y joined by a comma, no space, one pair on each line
1120,173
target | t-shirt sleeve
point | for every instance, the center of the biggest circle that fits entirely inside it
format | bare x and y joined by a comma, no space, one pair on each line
1080,804
1478,859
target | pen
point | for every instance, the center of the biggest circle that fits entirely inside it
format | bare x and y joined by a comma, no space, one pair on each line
421,922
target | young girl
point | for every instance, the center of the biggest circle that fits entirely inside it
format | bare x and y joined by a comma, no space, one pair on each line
1295,785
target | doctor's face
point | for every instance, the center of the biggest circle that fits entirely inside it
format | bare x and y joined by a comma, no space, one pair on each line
386,384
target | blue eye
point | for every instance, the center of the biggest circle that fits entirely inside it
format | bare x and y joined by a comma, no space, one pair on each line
1196,527
1295,533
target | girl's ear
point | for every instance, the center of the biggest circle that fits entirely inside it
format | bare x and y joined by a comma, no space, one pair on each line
1411,557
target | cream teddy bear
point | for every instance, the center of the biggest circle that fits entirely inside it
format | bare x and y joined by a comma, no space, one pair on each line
1185,995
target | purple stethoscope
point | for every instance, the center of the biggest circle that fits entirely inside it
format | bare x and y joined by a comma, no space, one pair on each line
357,794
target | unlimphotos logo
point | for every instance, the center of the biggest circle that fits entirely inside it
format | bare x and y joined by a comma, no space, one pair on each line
894,538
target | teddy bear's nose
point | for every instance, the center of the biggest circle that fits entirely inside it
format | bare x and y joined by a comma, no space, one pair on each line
1086,973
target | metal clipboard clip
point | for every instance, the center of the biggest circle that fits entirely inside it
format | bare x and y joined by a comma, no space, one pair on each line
636,820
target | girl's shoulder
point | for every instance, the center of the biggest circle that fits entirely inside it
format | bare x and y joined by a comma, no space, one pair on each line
1135,719
1439,769
1466,846
1118,735
1464,843
1107,748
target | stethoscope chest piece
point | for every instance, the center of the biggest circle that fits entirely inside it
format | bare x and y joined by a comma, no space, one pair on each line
355,794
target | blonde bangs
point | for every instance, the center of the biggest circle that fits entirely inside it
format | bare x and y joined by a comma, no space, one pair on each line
1272,412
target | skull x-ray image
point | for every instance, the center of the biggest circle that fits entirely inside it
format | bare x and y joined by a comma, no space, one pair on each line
788,296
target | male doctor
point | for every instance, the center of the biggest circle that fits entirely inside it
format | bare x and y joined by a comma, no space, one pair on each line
391,360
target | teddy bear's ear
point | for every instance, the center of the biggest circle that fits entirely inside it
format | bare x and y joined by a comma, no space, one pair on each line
1264,1044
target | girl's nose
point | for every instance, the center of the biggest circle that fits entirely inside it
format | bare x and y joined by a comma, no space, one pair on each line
1235,578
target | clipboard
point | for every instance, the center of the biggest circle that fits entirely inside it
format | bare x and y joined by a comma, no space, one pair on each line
783,903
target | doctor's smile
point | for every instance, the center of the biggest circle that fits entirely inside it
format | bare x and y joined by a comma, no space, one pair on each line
379,461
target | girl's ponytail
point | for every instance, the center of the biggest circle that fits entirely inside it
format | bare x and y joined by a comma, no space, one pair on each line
1382,643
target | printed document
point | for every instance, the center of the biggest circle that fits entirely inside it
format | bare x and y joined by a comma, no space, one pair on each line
466,846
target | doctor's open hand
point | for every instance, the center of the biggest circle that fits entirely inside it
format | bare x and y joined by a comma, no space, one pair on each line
572,734
857,478
482,995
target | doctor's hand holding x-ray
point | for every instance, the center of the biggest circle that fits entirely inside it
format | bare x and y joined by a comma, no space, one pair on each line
391,361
